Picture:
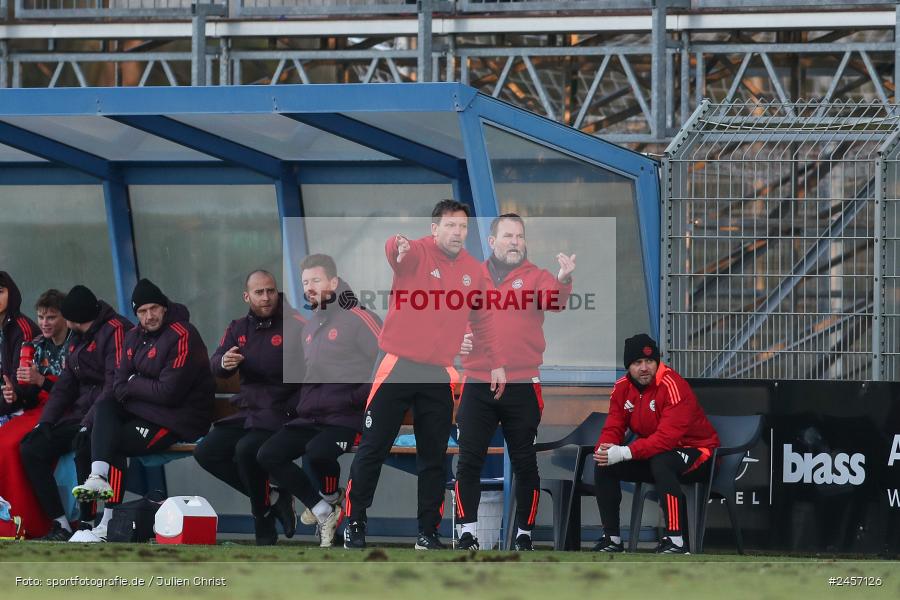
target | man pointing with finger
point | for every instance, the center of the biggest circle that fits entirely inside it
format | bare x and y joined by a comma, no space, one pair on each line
418,344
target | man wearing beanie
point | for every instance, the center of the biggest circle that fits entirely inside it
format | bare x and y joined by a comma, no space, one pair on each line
673,443
258,346
96,348
163,393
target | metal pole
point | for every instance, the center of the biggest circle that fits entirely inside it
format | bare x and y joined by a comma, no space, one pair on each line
425,68
658,70
224,61
199,13
896,52
451,58
4,64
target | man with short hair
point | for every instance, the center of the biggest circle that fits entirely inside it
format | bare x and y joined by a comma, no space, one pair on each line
255,347
163,393
674,441
526,291
96,348
419,343
340,343
46,366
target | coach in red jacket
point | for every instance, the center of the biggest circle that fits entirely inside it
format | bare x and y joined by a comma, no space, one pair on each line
674,441
524,292
437,289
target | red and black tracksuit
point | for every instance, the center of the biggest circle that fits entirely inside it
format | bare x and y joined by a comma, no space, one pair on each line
674,443
69,414
419,343
340,344
264,402
163,393
520,328
15,329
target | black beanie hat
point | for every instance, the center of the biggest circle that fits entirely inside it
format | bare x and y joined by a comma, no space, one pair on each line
640,346
80,305
146,292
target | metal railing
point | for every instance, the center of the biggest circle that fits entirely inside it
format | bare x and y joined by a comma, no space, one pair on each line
81,9
781,241
258,8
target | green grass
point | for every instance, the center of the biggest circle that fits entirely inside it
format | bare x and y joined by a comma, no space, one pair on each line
297,570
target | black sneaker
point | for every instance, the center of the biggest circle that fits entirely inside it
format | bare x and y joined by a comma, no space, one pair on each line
666,546
429,541
467,541
523,543
605,544
283,510
57,533
355,536
266,534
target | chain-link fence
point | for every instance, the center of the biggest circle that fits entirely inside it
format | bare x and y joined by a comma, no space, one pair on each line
781,242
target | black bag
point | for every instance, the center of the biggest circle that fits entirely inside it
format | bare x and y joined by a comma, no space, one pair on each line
132,522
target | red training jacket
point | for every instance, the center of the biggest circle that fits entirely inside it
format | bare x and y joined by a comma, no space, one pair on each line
420,325
665,416
525,293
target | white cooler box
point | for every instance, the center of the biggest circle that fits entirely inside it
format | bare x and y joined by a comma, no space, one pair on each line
186,520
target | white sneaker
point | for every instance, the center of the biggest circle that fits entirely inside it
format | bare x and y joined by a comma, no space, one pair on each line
309,518
95,488
328,526
90,536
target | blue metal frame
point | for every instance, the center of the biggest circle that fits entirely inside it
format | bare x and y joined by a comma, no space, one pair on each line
203,141
293,234
382,141
54,151
121,240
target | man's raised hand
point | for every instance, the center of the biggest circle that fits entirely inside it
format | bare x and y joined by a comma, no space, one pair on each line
402,247
232,359
566,267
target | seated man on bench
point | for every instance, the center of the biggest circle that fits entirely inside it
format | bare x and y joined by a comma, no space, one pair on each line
254,346
340,345
673,444
164,393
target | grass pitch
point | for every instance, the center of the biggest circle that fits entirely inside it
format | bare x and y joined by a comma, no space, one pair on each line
296,570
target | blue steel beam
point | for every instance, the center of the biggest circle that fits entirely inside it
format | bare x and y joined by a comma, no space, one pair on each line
54,151
242,99
205,142
381,140
293,232
121,240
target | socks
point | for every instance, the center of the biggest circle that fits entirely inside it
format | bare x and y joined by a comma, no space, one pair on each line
523,532
64,523
615,539
468,528
107,515
322,509
98,467
330,498
677,540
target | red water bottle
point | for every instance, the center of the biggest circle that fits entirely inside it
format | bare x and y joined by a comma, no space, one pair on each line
26,358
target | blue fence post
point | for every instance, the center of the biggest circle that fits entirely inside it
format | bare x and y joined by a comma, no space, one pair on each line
293,231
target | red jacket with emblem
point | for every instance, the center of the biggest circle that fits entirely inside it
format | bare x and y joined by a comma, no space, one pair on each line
268,391
165,377
340,343
91,364
664,415
525,293
420,326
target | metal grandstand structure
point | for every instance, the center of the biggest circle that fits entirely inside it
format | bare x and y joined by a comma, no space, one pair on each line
780,242
631,71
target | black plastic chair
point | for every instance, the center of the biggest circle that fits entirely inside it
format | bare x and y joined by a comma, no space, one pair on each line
737,434
566,493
